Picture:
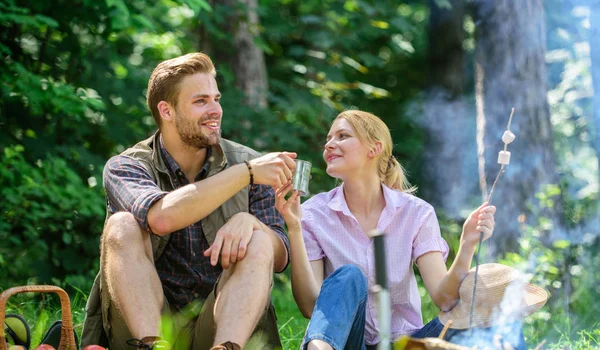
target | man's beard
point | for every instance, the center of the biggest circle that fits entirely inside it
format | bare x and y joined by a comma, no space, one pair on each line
191,133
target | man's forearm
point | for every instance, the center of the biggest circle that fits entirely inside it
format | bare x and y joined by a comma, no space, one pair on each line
192,203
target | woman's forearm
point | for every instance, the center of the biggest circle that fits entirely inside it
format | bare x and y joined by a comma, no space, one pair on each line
304,284
447,292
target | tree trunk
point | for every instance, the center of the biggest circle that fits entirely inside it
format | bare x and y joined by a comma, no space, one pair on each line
446,54
595,68
247,59
510,72
450,163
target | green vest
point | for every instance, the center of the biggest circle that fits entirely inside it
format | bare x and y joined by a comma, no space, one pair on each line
224,155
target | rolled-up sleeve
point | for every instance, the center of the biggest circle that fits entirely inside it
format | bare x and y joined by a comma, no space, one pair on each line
130,187
429,238
262,206
313,248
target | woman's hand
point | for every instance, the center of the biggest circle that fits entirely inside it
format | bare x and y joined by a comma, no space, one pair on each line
290,208
480,220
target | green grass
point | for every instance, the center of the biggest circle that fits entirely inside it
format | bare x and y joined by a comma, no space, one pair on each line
289,319
41,312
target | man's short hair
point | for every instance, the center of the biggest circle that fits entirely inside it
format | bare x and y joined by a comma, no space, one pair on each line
166,77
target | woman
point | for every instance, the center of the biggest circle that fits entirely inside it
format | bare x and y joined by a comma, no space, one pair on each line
331,252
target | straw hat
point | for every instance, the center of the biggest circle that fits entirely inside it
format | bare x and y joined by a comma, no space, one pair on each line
501,297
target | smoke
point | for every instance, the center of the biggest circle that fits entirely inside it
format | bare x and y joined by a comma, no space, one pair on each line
506,331
500,337
449,164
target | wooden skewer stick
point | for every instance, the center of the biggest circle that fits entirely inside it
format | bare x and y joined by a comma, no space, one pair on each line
446,327
500,172
512,111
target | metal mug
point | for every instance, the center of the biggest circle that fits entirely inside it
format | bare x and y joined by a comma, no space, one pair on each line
302,177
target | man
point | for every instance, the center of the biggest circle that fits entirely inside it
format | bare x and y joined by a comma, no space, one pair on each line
190,217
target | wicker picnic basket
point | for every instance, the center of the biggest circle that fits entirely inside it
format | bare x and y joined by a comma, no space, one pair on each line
67,338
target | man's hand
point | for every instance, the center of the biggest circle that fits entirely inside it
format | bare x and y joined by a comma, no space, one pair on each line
274,169
232,239
480,220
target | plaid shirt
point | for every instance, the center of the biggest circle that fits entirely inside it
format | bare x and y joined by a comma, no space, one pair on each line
185,273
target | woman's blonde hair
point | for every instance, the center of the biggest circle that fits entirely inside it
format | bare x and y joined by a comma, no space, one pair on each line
370,129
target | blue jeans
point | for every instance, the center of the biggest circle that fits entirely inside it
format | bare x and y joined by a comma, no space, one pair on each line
340,311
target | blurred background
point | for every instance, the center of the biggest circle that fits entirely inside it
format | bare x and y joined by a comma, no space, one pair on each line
443,74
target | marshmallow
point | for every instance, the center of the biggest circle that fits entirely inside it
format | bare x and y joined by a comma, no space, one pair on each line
508,137
503,157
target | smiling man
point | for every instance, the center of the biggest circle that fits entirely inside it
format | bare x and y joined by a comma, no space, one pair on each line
190,217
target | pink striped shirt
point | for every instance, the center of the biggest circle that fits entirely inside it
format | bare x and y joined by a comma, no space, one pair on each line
333,234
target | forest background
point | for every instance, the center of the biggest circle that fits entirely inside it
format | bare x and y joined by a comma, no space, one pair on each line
443,75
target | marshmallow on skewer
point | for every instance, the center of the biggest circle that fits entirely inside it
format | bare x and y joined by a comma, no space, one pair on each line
508,137
503,157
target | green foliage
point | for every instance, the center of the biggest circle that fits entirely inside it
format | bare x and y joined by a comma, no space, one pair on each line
568,271
583,340
48,213
322,58
571,97
330,56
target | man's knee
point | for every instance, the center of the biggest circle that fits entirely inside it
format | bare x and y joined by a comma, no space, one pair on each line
122,231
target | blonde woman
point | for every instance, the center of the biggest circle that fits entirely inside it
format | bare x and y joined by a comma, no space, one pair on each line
332,257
